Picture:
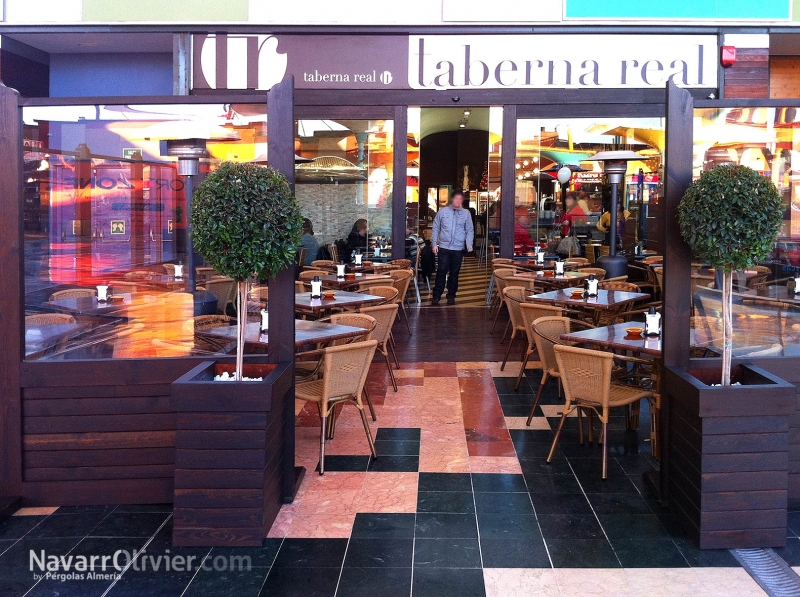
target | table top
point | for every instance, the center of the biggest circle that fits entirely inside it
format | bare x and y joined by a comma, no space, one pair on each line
615,336
304,302
88,305
605,299
333,282
540,277
772,294
41,337
352,268
306,332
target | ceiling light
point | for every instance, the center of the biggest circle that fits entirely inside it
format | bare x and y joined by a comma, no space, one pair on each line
467,112
536,171
525,162
462,125
527,175
536,159
518,166
519,177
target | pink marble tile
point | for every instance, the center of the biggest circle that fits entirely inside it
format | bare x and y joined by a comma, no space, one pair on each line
401,482
494,464
333,481
386,501
282,523
315,503
37,511
328,526
466,365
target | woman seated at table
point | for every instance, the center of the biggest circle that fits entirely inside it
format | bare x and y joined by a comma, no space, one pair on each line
573,212
522,236
357,239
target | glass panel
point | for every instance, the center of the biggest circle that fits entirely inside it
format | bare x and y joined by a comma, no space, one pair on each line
344,185
546,146
766,316
105,212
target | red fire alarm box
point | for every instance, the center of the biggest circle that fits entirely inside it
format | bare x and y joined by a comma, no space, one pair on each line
727,56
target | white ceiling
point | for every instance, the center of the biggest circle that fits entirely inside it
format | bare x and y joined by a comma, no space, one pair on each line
437,120
73,43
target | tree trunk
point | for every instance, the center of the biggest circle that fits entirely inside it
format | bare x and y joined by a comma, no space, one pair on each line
727,325
241,325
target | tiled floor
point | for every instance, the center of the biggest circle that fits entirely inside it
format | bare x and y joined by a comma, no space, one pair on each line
459,502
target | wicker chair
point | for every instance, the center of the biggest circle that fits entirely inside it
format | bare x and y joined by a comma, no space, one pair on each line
334,251
368,324
402,280
257,297
73,293
514,296
577,261
599,274
322,263
384,320
615,279
208,322
401,263
169,269
344,372
531,312
763,274
502,261
225,291
310,274
49,319
547,332
500,277
141,274
586,378
621,285
299,286
300,259
377,287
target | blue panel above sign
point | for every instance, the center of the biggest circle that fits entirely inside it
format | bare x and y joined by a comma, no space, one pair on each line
764,10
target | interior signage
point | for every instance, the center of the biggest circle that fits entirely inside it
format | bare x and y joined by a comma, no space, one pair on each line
560,61
257,62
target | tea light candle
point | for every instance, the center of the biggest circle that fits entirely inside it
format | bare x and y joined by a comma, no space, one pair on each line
377,251
340,267
797,285
102,293
316,287
540,257
178,271
358,258
559,268
264,320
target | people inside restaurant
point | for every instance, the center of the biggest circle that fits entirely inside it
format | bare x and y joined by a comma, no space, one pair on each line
357,239
309,242
605,222
522,235
572,212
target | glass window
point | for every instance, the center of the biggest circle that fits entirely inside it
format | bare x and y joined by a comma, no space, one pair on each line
105,217
344,186
544,146
766,318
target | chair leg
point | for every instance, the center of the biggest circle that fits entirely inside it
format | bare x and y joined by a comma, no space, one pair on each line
405,315
580,426
323,430
496,315
522,369
369,403
369,433
391,373
536,400
590,417
394,354
557,436
416,290
605,450
505,332
508,352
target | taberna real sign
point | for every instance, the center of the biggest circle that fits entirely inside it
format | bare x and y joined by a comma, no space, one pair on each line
527,61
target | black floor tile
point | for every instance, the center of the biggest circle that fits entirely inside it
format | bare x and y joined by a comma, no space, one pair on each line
301,582
790,553
397,448
448,582
619,503
552,484
621,527
503,503
581,553
227,583
658,553
17,527
705,558
16,564
379,553
352,464
559,503
394,464
257,557
445,482
637,464
452,502
505,385
129,524
570,526
614,484
793,522
497,482
141,508
516,405
386,526
68,525
83,509
447,553
534,449
510,527
311,553
386,582
446,526
540,466
398,433
502,553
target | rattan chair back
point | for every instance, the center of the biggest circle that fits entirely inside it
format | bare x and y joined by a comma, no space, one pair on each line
621,285
310,274
344,371
389,293
356,320
384,316
599,274
49,319
546,332
73,293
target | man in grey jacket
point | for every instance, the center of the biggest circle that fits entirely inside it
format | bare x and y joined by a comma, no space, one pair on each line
452,232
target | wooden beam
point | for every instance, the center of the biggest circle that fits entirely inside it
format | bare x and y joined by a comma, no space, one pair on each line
399,182
508,182
12,296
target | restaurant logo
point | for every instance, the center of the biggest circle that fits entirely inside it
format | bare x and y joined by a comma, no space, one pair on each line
561,61
237,62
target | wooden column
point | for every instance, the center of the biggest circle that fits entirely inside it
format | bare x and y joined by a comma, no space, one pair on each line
280,138
508,181
677,291
12,295
400,170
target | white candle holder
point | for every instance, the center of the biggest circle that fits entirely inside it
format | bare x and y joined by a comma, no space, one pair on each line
102,293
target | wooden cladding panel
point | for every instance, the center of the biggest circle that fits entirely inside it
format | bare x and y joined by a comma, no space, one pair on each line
750,76
784,77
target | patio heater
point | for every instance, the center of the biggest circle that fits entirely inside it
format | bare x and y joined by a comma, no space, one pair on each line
615,165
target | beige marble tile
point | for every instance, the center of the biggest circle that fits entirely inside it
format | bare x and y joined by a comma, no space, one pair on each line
472,365
298,406
597,582
282,523
38,511
692,582
521,582
328,526
555,410
511,369
537,423
401,373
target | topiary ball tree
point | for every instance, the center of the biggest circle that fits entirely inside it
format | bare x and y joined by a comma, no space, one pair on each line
245,222
730,217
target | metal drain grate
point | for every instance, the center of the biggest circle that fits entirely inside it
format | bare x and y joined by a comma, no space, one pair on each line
769,571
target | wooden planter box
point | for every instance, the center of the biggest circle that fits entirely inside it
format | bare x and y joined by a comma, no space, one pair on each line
228,454
728,455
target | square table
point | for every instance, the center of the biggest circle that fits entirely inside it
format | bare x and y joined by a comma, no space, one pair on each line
352,300
335,283
40,338
605,299
568,279
88,305
306,332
